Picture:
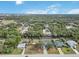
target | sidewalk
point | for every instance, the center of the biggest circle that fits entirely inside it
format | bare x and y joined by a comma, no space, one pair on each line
75,51
44,50
23,51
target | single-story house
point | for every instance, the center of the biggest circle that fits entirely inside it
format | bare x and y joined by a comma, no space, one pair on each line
72,43
46,31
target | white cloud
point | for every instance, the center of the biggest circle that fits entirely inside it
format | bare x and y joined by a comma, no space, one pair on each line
18,2
73,11
52,9
36,12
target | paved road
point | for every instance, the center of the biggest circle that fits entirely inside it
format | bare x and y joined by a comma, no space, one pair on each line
23,51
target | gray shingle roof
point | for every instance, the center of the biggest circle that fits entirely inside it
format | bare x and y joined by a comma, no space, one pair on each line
59,43
71,43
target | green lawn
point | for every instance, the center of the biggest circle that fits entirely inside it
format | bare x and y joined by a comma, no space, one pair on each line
67,50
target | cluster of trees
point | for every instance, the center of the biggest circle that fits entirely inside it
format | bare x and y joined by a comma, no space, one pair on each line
59,29
34,31
28,18
57,25
11,36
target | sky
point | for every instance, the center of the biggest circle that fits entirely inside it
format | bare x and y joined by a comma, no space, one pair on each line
39,7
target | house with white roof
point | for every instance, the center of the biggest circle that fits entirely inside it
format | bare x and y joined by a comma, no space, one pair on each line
72,43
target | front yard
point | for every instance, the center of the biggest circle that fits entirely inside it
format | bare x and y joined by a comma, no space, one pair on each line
67,50
52,51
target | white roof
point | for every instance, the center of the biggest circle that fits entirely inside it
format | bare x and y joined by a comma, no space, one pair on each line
68,27
22,45
71,43
46,32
